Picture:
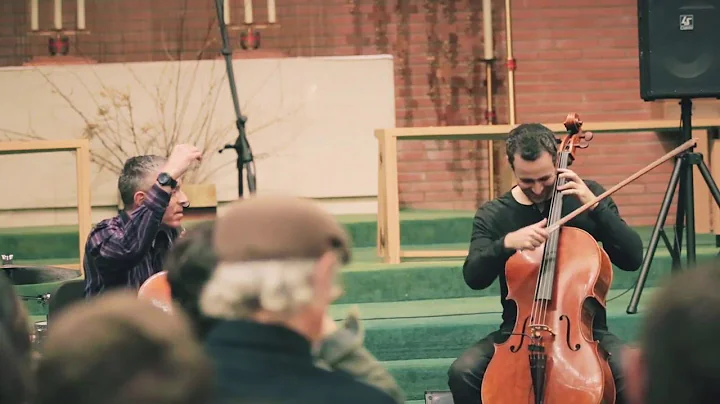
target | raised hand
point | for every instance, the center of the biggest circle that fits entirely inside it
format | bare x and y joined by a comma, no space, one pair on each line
182,157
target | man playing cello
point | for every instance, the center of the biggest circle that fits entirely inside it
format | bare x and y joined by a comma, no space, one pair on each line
516,221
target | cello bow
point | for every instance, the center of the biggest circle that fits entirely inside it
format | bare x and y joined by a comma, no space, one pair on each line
687,145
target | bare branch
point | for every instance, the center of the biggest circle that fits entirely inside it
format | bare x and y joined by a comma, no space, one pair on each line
117,131
13,135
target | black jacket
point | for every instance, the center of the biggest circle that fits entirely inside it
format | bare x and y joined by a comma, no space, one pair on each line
267,364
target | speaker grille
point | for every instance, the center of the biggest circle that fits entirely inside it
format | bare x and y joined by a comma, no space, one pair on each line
679,45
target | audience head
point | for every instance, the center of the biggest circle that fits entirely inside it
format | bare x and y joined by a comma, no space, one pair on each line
138,176
189,264
120,349
15,347
677,361
278,260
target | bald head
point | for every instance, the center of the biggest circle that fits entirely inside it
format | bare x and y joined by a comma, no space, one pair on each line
278,228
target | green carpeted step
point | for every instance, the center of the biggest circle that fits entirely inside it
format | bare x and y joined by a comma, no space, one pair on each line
369,281
377,282
416,228
415,376
446,327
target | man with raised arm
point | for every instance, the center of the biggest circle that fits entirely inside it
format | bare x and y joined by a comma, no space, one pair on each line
124,251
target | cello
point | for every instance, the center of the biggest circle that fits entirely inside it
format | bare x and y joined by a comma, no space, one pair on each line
550,356
156,289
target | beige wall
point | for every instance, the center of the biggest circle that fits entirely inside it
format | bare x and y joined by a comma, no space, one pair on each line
310,124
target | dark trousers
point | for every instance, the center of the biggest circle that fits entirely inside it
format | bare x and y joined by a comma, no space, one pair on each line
466,373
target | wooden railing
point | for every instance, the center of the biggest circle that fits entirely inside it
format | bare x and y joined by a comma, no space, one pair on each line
388,237
81,147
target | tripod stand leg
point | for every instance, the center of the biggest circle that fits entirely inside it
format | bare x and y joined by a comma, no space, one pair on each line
689,212
655,237
710,182
676,250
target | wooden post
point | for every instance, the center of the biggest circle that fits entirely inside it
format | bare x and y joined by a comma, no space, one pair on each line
81,147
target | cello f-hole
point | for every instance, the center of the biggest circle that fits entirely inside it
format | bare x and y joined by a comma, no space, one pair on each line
567,334
514,348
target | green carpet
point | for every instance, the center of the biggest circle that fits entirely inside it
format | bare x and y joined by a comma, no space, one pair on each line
417,341
416,228
418,315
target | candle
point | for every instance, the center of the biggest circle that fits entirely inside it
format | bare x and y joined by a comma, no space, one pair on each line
34,16
272,17
58,14
488,30
248,12
80,14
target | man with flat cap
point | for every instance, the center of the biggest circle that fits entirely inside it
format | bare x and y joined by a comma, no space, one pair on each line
276,276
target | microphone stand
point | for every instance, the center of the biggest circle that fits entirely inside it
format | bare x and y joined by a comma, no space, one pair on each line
241,146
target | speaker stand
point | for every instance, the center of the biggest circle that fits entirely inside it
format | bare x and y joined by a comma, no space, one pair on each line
682,178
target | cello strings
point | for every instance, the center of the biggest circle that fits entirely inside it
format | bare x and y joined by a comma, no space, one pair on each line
549,255
549,260
535,310
557,214
537,304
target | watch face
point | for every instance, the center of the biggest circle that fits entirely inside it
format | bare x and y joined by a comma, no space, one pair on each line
165,179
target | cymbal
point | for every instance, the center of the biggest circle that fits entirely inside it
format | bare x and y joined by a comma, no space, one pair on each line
36,267
33,274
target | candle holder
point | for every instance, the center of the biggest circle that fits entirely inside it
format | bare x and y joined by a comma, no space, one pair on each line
250,39
60,44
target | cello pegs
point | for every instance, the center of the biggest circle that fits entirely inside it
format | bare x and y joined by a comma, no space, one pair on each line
573,124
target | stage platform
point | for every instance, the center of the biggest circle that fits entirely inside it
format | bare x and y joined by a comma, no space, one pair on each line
418,315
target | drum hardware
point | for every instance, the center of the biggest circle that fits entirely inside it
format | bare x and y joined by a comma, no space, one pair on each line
39,333
7,259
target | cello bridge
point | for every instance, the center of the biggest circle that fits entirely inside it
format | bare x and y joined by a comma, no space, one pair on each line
537,329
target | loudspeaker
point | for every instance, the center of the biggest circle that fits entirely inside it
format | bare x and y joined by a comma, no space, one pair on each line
679,43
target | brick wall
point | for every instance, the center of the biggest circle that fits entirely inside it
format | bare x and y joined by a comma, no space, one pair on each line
575,55
582,56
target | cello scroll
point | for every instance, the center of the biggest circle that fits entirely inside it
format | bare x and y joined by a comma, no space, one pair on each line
575,138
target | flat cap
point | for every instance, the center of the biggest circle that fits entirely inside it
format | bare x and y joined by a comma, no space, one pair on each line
276,227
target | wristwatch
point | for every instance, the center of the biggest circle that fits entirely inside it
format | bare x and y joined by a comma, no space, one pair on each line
165,179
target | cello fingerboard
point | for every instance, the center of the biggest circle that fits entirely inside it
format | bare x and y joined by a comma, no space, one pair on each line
546,279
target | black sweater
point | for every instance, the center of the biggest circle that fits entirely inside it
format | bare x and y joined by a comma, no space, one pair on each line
495,219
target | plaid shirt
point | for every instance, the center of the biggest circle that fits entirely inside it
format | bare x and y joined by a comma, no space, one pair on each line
126,250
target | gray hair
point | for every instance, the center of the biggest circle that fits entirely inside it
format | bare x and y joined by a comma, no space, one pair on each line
239,289
134,176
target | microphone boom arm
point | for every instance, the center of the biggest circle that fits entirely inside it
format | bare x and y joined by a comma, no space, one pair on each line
242,146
